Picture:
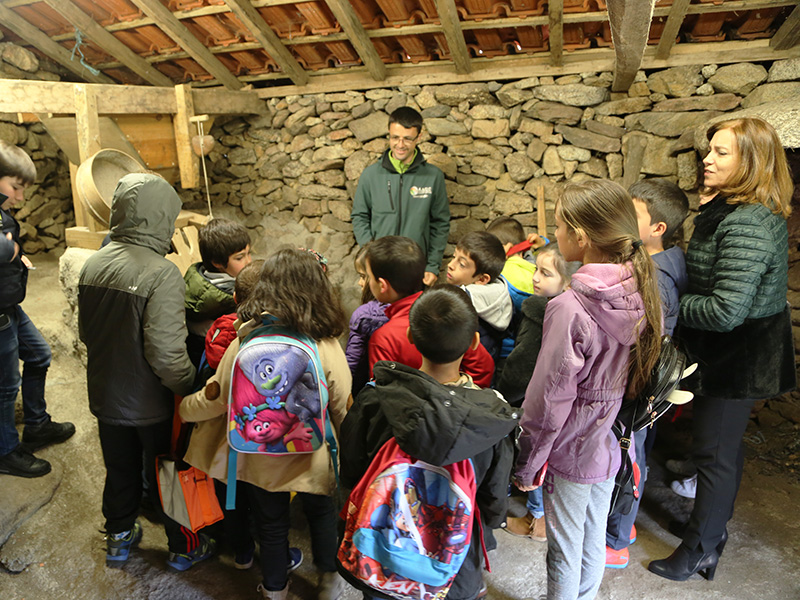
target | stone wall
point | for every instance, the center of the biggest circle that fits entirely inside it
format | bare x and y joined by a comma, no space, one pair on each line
47,210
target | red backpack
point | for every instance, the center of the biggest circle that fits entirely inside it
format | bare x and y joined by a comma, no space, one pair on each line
408,525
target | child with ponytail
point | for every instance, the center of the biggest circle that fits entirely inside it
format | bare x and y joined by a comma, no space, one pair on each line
601,340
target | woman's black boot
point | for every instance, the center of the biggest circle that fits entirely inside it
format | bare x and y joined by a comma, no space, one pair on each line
683,563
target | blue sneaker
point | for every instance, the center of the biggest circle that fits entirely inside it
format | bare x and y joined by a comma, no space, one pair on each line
183,562
295,559
118,545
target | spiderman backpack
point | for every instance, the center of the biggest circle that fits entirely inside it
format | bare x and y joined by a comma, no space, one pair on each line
408,525
279,398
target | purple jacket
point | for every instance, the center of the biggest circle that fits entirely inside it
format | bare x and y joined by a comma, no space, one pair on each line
363,323
580,377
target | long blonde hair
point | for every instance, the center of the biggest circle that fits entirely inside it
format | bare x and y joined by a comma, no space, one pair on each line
763,175
603,211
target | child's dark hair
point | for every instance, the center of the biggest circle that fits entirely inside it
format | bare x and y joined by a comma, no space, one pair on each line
398,260
219,238
603,211
360,263
246,280
564,269
507,229
486,252
14,162
443,323
407,117
666,204
293,288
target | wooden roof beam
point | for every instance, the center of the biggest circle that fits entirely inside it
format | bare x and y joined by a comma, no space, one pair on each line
268,39
630,26
555,14
675,19
177,31
54,50
351,25
448,16
108,43
58,98
789,33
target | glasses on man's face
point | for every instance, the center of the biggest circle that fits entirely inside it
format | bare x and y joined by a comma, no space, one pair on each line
399,138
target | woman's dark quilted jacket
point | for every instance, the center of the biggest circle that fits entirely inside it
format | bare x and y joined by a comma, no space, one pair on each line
734,317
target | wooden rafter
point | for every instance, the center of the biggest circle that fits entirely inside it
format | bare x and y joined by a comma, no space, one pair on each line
178,32
54,50
108,43
630,24
357,35
675,19
555,13
267,38
58,97
789,33
454,35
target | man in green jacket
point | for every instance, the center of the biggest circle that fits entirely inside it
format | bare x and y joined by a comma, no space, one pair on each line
403,195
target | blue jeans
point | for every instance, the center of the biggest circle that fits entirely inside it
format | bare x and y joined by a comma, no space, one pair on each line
535,503
20,340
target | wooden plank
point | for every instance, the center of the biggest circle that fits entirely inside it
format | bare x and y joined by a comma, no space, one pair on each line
189,217
555,15
541,212
83,237
153,136
167,22
448,15
52,49
185,248
789,33
630,26
357,35
187,160
108,43
675,19
263,33
64,130
58,97
87,121
82,217
520,67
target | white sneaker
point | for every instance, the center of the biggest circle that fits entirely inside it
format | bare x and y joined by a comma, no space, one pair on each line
685,487
276,595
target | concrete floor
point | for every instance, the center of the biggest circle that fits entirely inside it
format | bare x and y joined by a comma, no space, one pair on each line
57,551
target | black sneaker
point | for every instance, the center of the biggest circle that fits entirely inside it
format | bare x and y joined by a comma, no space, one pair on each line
39,436
22,463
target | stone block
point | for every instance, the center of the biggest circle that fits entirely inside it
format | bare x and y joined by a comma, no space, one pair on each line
739,78
490,128
372,126
586,139
519,166
487,166
574,94
554,112
444,127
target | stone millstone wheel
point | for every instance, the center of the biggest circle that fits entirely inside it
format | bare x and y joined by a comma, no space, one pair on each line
97,178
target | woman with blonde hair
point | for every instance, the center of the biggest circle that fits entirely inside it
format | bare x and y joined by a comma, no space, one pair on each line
734,321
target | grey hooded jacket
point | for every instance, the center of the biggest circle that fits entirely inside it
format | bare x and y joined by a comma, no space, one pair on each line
131,314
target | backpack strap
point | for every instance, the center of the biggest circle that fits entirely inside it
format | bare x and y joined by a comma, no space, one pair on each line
230,495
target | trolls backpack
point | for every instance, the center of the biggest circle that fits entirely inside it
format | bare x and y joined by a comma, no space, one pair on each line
654,401
408,525
278,400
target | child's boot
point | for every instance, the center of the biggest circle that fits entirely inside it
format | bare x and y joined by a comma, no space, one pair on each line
331,586
273,595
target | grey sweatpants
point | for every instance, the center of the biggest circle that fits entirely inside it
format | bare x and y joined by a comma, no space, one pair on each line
576,516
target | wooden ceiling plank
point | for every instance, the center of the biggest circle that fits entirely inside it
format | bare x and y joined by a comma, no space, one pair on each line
351,25
555,14
57,97
170,25
448,16
52,49
630,26
268,39
789,33
675,19
108,43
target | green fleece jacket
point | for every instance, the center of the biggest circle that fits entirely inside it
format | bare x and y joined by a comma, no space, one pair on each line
412,204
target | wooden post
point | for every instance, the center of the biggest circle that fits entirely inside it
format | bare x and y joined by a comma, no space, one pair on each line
187,160
88,126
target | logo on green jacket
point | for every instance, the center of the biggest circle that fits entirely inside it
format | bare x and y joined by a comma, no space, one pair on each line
420,192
